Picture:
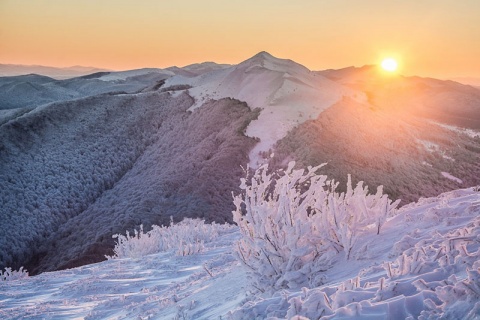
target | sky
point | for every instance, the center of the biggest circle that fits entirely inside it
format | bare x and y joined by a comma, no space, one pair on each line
437,38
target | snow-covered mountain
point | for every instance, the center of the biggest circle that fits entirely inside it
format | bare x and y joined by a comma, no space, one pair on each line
32,90
286,93
85,158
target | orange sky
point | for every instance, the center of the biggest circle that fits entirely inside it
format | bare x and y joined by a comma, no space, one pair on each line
438,38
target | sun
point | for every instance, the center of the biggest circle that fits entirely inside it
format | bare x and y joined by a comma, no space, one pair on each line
389,64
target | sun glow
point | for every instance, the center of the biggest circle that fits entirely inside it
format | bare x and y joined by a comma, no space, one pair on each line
389,64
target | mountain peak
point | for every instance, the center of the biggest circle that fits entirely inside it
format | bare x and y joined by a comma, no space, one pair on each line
264,55
268,61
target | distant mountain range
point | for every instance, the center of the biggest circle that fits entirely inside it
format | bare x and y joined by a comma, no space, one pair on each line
9,70
87,157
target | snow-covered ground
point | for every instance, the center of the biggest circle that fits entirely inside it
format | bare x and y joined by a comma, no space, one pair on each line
158,286
424,264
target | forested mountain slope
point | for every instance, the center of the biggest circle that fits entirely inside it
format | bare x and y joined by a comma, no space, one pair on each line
74,173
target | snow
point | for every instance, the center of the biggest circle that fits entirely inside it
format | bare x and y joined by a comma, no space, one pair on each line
449,176
123,75
428,145
433,148
426,164
435,237
287,93
199,68
469,132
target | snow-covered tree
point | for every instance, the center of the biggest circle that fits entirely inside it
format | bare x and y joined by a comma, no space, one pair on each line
294,223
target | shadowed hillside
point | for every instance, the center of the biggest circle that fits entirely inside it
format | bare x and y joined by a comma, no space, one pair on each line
75,173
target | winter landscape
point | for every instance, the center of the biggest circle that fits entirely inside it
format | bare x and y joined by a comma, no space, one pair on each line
257,187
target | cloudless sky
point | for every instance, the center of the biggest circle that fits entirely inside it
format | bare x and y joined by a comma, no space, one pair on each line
438,38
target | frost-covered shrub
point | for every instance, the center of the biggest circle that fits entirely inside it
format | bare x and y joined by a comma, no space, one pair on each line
435,275
293,226
185,238
9,274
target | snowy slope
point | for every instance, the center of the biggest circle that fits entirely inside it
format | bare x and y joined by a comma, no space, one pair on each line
123,75
31,91
425,263
159,286
286,92
196,69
